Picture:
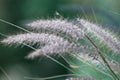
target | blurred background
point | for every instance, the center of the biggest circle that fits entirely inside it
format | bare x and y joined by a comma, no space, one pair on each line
12,59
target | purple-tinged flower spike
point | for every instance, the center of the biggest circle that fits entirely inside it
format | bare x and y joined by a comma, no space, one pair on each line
103,34
57,24
34,38
63,47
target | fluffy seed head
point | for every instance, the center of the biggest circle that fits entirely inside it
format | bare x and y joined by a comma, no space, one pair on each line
34,38
57,24
103,34
55,49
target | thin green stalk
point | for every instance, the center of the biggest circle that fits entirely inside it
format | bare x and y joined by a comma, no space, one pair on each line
103,58
52,77
5,73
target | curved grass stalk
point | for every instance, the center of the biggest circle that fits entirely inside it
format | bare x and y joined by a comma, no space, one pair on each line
93,67
52,77
9,23
82,60
66,60
5,73
113,12
102,56
107,52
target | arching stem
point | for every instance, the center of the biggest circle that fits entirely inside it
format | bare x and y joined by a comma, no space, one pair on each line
102,56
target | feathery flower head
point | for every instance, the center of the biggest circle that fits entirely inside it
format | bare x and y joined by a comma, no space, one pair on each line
57,24
34,38
102,34
54,49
